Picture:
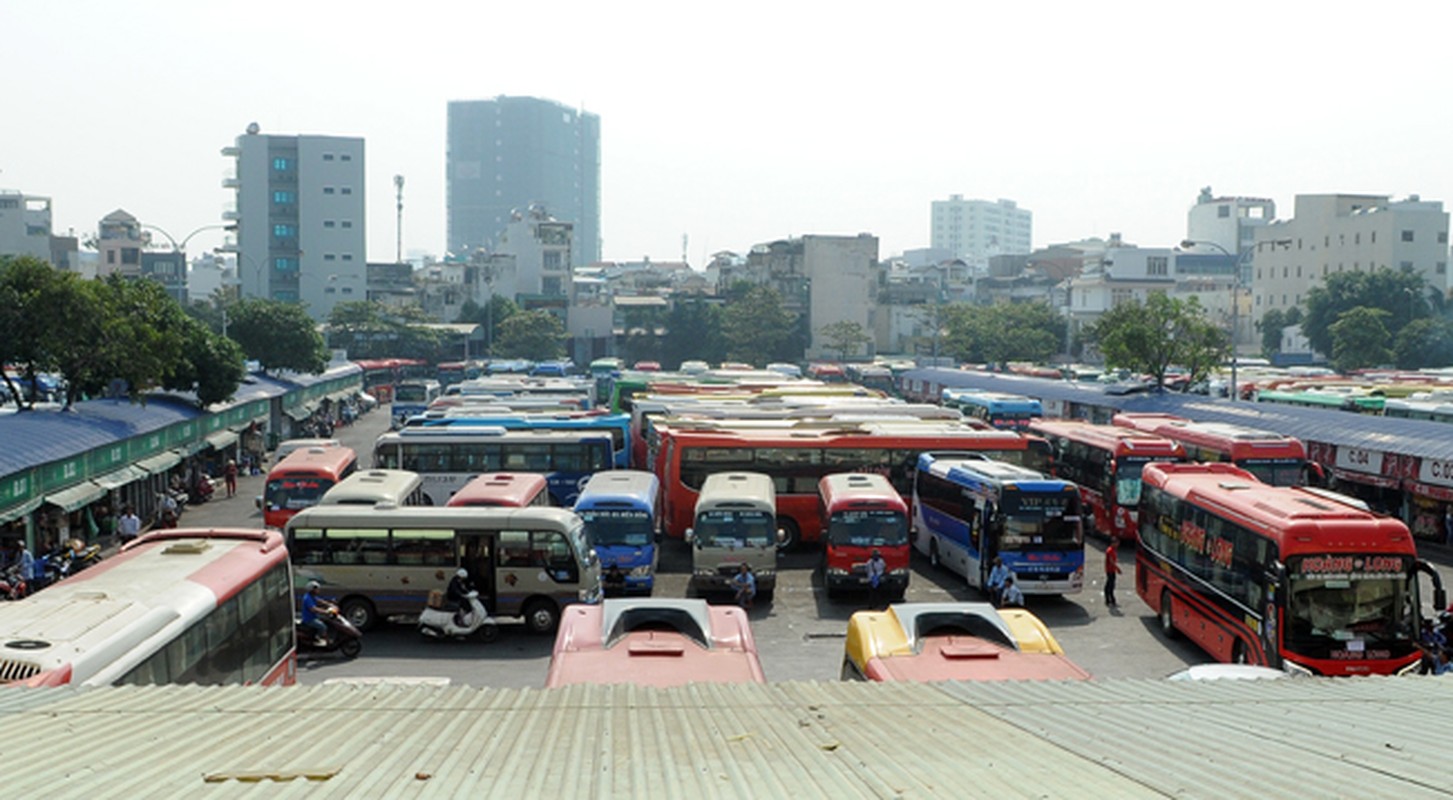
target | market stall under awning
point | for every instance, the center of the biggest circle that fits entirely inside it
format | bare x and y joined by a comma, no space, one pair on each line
222,439
160,462
119,478
74,497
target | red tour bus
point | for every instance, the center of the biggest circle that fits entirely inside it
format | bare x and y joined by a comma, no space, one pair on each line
175,606
796,459
301,480
654,642
1105,461
1298,578
862,512
1273,458
503,489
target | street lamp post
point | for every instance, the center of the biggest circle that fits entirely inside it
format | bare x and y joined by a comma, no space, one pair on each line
1235,300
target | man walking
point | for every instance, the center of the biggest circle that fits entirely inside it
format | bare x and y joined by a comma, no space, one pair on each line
877,569
1112,568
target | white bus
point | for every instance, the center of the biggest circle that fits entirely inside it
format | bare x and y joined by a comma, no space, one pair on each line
735,524
175,606
398,487
447,458
383,561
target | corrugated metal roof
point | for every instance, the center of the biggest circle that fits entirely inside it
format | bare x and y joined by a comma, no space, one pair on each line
1406,436
1372,737
33,438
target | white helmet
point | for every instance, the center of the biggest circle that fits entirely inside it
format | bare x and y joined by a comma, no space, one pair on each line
313,586
462,572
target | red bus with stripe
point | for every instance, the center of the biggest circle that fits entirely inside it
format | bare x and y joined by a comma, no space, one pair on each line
1298,578
1105,461
1274,458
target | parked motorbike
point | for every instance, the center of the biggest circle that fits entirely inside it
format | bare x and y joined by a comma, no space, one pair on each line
342,637
201,491
438,622
69,559
13,585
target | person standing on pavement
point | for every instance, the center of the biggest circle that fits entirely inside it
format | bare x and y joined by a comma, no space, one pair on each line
1112,568
877,570
128,525
229,475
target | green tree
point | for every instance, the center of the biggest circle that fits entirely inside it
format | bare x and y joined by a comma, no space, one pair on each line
1360,339
492,314
693,331
29,291
757,329
535,335
1424,343
1151,337
847,337
278,335
1002,332
1400,293
1271,325
211,365
369,329
116,331
641,341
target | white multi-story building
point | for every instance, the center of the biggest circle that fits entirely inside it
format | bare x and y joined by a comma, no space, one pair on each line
974,230
1333,233
25,225
1133,273
541,247
1231,223
300,217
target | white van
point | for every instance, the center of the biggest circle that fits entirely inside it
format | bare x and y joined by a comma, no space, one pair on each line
735,524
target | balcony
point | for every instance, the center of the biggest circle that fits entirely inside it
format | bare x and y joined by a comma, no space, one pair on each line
231,151
231,215
230,182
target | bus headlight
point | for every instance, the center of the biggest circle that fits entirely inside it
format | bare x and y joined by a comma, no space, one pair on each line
590,596
705,573
765,573
1293,668
898,573
837,572
643,571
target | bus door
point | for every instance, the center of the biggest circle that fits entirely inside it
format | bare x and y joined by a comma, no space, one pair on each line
987,541
476,553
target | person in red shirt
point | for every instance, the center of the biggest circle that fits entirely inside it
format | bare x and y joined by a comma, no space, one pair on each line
229,473
1112,568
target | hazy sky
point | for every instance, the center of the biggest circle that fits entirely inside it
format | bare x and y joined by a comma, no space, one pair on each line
748,121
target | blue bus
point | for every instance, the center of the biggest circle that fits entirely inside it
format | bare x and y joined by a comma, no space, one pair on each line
1009,411
967,510
617,426
447,458
619,512
412,398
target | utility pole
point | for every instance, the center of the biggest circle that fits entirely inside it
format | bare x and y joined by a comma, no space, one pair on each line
399,224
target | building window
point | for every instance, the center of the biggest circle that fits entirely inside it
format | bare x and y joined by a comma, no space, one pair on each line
1406,265
1157,265
1374,237
131,255
345,157
347,223
283,231
1441,268
285,264
328,223
1357,238
110,256
281,164
327,190
1299,270
283,197
346,190
329,257
327,156
1119,296
1407,236
1223,212
1442,237
347,256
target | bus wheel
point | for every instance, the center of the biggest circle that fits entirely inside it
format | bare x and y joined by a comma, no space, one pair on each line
360,612
1167,615
791,534
541,616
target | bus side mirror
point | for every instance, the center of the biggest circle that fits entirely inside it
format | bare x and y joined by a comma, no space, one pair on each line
257,501
1440,595
781,537
690,535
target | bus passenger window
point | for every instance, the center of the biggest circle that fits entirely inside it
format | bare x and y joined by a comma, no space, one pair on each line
514,548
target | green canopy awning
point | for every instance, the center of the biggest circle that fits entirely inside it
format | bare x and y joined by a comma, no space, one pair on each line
119,478
160,462
15,512
222,439
72,498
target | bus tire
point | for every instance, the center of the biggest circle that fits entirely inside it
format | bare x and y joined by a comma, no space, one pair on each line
541,616
1167,615
791,534
351,648
360,612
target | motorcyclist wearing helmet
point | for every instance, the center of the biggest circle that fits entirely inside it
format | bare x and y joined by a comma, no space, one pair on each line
458,593
311,623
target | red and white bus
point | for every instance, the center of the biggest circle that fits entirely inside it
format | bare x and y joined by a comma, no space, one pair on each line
796,459
1273,458
1105,461
300,481
654,642
503,490
862,512
181,605
1291,577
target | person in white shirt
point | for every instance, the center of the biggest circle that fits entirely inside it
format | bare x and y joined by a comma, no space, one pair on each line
128,525
1012,598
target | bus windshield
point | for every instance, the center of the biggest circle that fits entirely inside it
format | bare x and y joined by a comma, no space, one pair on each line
857,528
735,528
1349,613
1283,472
295,492
1039,521
410,393
617,527
1127,481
